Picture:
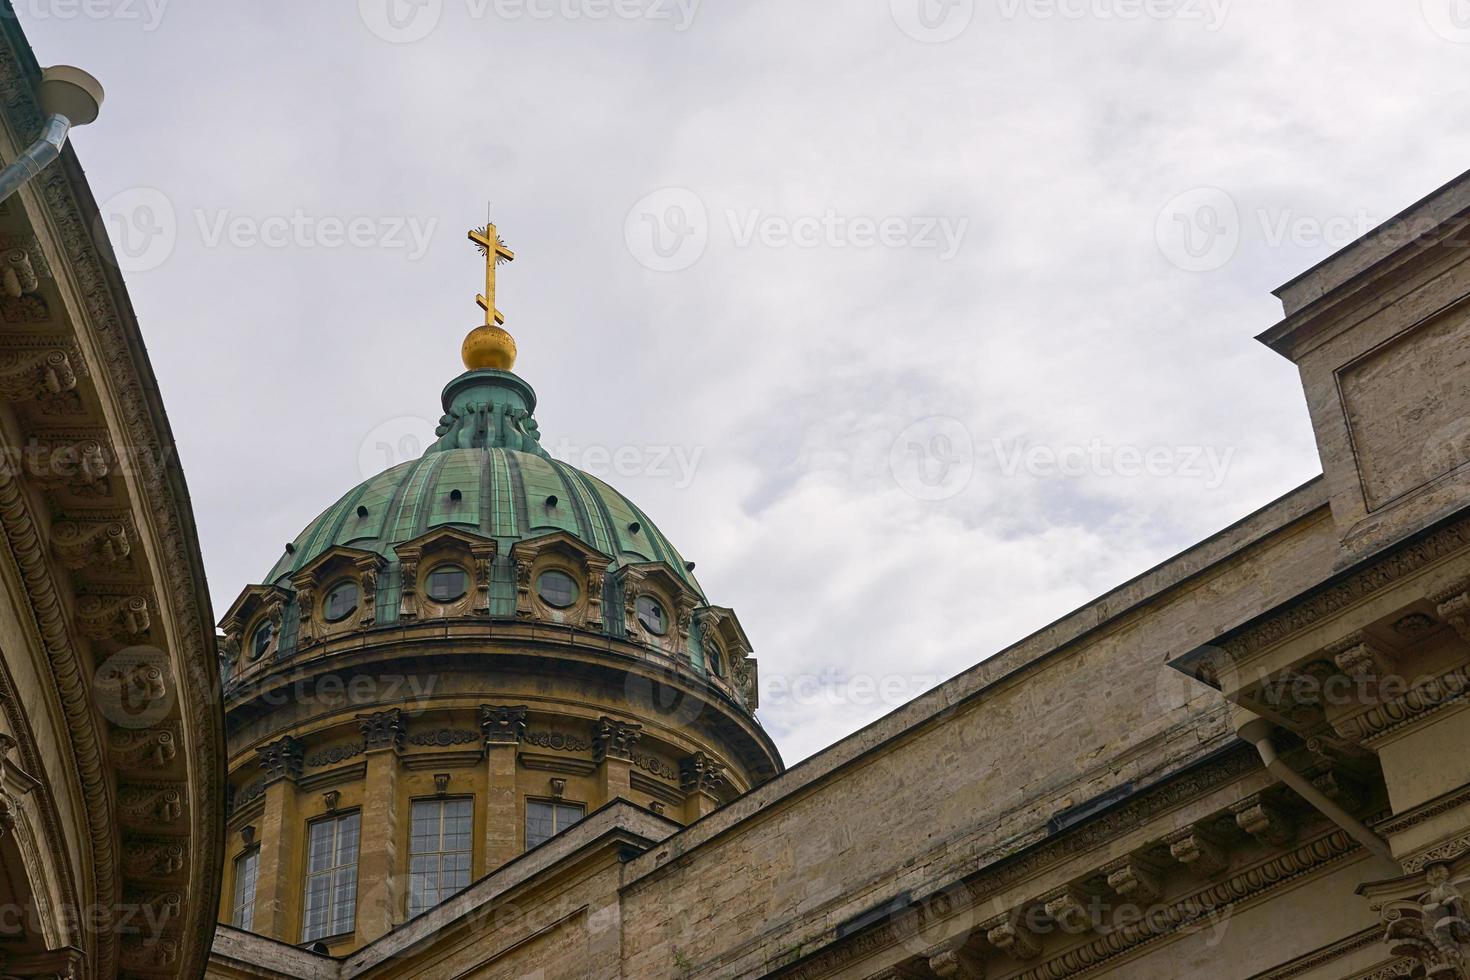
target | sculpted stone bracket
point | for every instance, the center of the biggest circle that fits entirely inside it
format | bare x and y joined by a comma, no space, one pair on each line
1008,933
59,964
1426,919
614,739
503,725
113,616
383,730
83,542
282,759
953,960
75,462
1263,821
39,368
1134,878
1200,849
700,773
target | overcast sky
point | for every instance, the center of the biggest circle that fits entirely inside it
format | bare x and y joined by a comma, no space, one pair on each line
917,324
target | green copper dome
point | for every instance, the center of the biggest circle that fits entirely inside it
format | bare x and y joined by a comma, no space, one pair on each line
489,476
497,493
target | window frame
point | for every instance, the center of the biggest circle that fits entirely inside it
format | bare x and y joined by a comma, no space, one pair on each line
444,566
336,588
468,851
576,588
330,923
239,907
555,805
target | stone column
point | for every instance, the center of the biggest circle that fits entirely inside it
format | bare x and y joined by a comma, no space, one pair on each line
278,887
699,777
612,749
381,902
502,728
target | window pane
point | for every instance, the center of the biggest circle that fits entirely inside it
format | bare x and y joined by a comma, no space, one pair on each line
331,883
246,868
540,823
439,851
566,816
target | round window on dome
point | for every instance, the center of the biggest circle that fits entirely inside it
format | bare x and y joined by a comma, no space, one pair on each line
448,583
260,640
652,616
341,602
557,589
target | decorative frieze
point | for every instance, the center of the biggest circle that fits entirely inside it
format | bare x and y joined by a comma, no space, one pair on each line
335,754
560,741
443,738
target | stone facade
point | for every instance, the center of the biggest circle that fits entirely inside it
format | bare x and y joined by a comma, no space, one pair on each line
111,734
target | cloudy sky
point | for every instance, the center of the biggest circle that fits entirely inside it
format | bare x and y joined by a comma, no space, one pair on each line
916,323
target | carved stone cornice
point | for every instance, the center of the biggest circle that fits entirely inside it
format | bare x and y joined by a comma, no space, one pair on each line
1197,908
1441,853
1388,717
1360,585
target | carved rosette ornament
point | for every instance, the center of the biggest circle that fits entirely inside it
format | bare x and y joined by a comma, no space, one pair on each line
282,759
383,729
502,725
614,739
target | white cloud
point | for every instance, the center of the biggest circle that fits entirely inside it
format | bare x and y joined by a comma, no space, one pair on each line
1060,322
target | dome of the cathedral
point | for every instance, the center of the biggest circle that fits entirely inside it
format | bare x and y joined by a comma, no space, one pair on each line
504,494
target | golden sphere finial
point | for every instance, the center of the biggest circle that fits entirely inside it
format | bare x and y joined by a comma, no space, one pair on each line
489,348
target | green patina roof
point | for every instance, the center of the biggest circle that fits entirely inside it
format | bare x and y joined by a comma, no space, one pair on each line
503,495
489,451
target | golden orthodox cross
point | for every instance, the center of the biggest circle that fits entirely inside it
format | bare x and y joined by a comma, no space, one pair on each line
495,253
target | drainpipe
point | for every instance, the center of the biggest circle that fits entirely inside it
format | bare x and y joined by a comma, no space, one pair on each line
69,97
1257,731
